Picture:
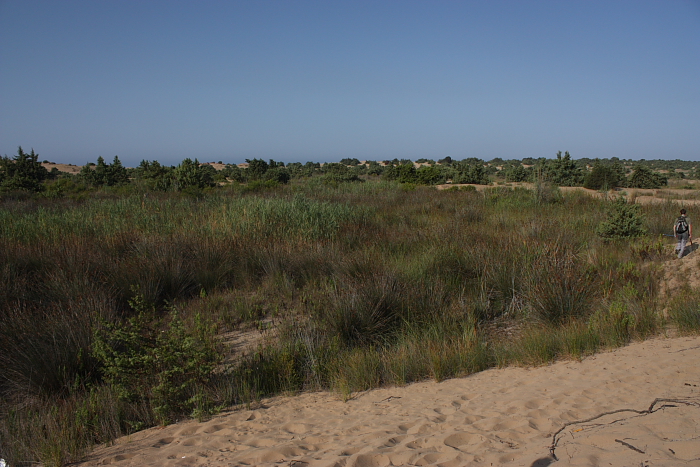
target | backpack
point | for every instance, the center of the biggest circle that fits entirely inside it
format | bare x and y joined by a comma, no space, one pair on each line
681,225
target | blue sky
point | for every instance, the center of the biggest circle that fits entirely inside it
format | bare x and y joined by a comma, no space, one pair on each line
325,80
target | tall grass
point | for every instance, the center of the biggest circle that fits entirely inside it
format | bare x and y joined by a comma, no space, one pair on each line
367,284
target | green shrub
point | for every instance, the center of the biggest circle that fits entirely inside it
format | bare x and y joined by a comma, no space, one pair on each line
624,220
644,177
160,364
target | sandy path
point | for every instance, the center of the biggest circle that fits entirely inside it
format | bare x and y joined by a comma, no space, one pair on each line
497,417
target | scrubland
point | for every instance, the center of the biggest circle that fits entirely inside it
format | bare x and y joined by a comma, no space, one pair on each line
114,306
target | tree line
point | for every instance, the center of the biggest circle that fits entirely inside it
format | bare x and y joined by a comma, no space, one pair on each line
24,173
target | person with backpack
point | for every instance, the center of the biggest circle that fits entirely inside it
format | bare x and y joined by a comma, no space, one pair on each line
683,230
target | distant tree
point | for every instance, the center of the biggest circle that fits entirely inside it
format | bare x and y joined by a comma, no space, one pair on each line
604,176
190,175
256,168
116,173
374,168
155,176
54,173
23,172
429,176
277,174
402,173
446,161
299,170
350,161
232,172
339,173
563,171
470,173
517,173
644,177
104,174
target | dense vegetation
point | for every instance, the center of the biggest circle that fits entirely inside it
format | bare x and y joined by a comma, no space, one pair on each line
115,292
24,174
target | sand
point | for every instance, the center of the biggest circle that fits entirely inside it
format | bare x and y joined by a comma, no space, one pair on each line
497,417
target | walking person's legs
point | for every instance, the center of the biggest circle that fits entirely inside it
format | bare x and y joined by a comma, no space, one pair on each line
682,240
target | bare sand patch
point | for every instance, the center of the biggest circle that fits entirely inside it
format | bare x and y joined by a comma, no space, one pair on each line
496,417
68,168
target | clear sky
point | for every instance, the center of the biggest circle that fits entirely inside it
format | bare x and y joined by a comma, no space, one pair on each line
299,81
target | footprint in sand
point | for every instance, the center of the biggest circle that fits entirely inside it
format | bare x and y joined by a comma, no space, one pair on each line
432,458
279,454
192,442
391,442
188,431
541,424
536,403
463,440
415,444
405,427
471,419
371,460
297,428
162,442
213,429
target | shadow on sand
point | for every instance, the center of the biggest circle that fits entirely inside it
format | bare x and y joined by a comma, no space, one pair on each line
689,249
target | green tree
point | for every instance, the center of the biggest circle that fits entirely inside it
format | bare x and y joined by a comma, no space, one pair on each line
155,176
402,173
469,172
517,173
339,173
563,171
374,168
644,177
23,172
256,168
189,174
116,173
232,172
429,176
278,174
604,176
104,174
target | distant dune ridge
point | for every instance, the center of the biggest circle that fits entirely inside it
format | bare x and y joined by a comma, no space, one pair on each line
496,417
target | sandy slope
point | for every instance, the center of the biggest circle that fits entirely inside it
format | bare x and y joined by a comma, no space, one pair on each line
497,417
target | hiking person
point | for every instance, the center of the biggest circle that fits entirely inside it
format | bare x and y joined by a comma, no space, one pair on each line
683,231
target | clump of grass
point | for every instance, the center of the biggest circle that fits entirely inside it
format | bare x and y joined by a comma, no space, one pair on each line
684,312
56,432
366,311
560,286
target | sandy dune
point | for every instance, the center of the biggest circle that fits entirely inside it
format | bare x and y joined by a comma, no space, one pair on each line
497,417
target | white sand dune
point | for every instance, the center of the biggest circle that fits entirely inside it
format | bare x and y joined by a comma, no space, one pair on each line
497,417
